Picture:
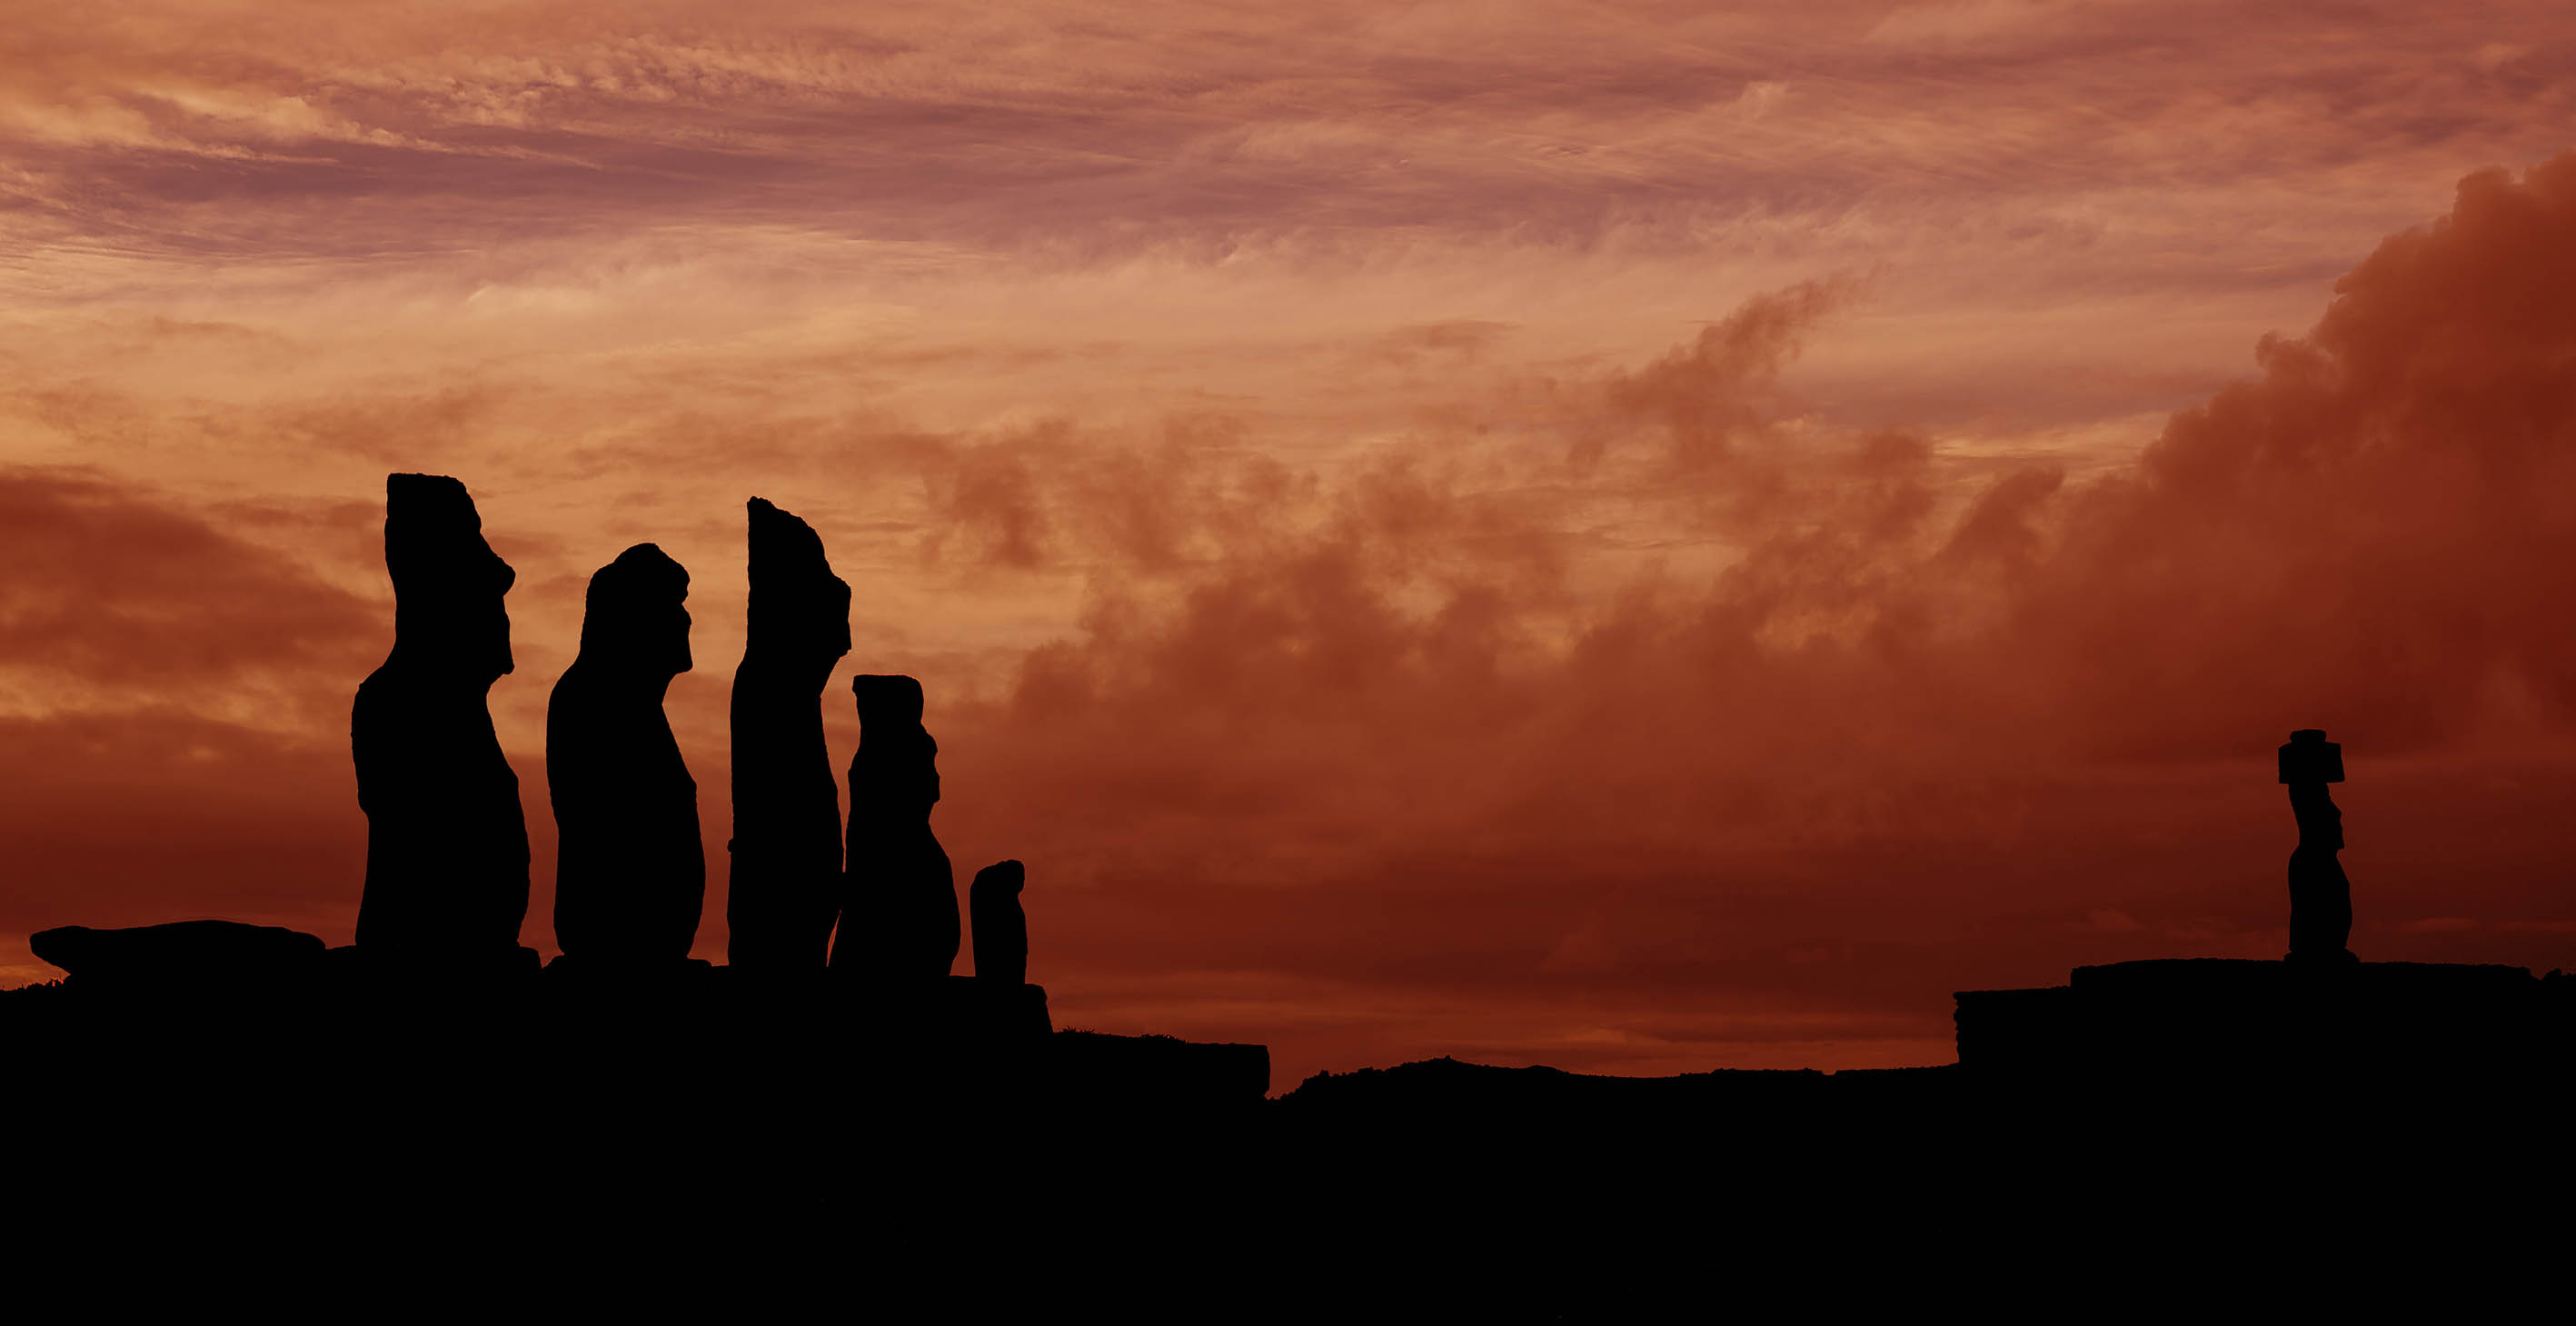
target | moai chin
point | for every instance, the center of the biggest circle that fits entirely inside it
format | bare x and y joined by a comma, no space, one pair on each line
2320,896
447,845
631,872
899,895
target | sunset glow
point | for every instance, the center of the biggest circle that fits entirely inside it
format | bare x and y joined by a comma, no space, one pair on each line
1633,537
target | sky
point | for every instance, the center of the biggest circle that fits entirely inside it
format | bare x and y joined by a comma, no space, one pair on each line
1638,537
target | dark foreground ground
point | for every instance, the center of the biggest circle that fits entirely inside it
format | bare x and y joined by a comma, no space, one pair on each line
407,1149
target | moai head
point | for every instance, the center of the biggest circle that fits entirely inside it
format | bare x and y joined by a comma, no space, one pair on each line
635,618
798,606
449,585
890,701
2310,758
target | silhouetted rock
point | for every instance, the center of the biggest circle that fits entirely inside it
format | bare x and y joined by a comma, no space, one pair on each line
447,845
899,899
1001,928
2320,896
630,870
786,807
179,952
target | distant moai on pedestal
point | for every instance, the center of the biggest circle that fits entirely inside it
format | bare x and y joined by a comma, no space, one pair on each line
899,895
630,869
447,845
1001,928
786,844
2320,896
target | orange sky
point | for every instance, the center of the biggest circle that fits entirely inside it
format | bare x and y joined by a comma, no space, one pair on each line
1623,536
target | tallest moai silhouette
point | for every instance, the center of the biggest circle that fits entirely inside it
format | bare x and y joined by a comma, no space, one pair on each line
786,806
447,845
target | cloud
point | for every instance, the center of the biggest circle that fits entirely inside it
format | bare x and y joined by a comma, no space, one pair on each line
157,815
2002,27
112,595
1387,715
1033,132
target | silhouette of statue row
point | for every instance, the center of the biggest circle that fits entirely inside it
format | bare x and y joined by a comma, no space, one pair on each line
447,846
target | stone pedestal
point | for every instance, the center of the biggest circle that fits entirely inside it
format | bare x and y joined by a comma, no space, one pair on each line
2229,1017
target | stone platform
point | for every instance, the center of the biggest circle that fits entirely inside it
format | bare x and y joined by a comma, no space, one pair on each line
2234,1018
264,1012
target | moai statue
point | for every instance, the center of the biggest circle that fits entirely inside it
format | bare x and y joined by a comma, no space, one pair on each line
899,896
2320,896
630,871
447,846
786,806
1001,928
